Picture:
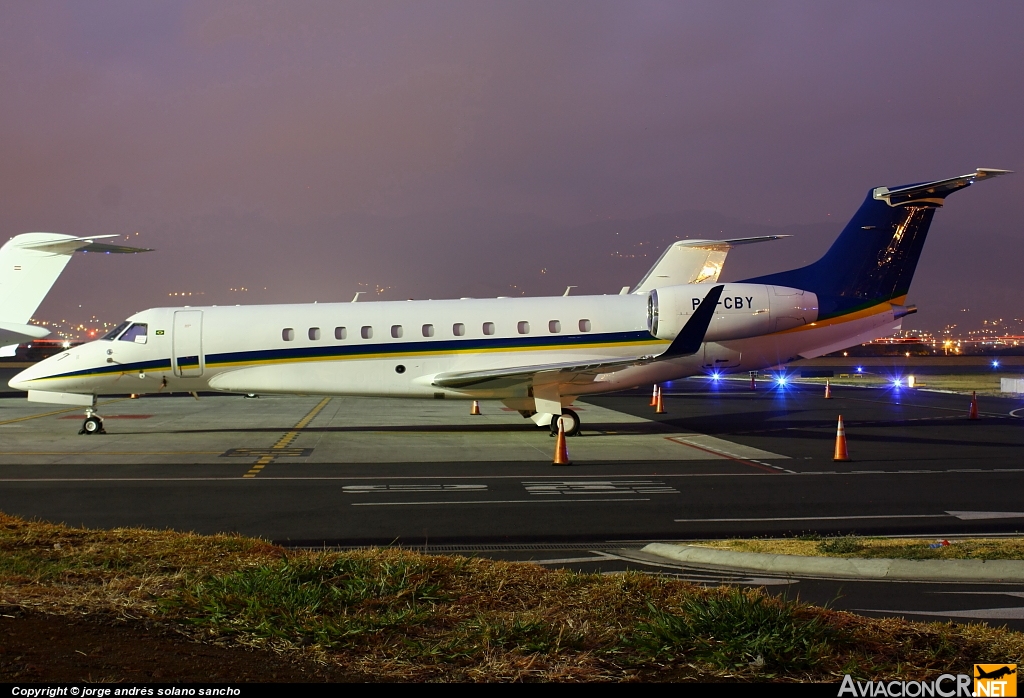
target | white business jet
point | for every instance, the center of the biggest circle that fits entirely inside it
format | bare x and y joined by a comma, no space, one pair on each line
536,355
29,265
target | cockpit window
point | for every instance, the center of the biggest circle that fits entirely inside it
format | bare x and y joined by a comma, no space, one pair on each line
112,335
136,333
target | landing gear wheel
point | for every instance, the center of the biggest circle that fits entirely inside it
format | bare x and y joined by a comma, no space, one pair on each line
92,425
570,422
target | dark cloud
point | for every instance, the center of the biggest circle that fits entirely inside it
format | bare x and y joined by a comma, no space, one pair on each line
457,148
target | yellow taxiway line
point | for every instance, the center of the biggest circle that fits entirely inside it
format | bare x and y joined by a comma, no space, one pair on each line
286,440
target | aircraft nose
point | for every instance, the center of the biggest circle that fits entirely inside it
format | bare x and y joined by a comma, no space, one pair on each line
26,380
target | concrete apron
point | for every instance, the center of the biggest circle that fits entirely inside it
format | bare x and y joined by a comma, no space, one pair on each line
852,568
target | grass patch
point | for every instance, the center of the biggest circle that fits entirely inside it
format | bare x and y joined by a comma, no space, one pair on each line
738,629
841,545
886,548
983,383
399,615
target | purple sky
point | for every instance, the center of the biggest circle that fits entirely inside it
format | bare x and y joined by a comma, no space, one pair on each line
460,148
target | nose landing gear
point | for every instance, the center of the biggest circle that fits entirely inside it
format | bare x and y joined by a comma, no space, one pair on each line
93,423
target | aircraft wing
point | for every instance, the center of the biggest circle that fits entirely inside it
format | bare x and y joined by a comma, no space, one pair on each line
686,343
693,262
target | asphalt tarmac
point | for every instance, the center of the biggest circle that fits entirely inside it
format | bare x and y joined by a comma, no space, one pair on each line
724,461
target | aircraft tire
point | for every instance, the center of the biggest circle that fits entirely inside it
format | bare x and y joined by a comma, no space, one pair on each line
92,425
570,419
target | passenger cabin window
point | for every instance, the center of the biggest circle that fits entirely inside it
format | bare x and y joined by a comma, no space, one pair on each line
288,334
366,332
112,335
396,331
524,327
340,333
314,333
554,326
488,328
136,333
584,325
428,330
458,329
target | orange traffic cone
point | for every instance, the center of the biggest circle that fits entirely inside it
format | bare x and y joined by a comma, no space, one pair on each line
475,409
654,396
974,405
841,452
753,383
828,390
561,452
659,407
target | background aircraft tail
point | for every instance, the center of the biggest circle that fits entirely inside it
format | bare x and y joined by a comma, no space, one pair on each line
29,266
874,258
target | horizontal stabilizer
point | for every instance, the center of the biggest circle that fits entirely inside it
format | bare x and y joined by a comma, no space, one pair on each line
693,262
15,333
934,192
66,244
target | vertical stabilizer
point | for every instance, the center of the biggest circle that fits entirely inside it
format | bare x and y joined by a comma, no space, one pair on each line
873,260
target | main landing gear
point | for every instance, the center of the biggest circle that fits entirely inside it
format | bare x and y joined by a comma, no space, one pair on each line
93,423
570,422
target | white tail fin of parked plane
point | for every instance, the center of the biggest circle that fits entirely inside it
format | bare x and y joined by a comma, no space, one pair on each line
29,266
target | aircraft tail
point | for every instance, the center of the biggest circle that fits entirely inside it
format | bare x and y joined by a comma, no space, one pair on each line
874,258
30,264
27,273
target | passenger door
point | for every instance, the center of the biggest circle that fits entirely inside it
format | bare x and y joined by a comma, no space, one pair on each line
187,355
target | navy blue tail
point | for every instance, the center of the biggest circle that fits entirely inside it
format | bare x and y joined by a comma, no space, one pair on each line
874,258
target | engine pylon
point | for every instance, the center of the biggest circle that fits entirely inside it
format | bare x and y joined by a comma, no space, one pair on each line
841,451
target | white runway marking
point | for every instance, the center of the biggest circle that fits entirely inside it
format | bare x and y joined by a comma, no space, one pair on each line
1012,613
984,515
962,515
424,487
493,501
598,487
822,518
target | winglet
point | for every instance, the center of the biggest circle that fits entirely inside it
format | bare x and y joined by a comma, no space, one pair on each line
689,339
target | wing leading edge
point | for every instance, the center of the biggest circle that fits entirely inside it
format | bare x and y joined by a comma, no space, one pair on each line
686,343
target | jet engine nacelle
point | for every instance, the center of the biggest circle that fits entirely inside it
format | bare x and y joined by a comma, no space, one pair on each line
744,310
